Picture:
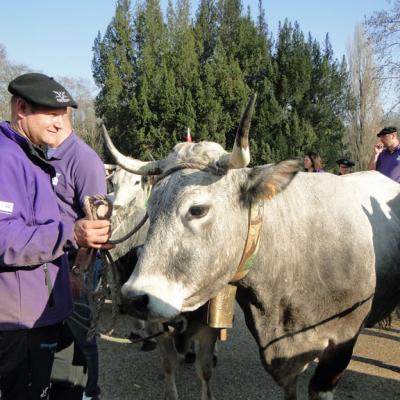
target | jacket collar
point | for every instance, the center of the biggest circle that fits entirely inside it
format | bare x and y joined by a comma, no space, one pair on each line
34,152
59,152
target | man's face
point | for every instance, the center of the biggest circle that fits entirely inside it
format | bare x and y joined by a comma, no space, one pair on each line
343,169
63,133
40,126
388,140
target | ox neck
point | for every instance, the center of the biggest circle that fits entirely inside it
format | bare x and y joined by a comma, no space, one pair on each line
256,214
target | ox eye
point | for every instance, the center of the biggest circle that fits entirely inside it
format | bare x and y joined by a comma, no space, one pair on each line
198,211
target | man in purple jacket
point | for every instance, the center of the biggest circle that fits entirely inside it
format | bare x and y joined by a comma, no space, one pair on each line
386,154
34,282
79,173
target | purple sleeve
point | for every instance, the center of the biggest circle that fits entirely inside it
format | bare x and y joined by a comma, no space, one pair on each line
31,232
90,176
378,163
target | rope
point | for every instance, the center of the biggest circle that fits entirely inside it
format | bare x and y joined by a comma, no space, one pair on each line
214,168
96,299
109,281
133,231
129,341
96,207
75,317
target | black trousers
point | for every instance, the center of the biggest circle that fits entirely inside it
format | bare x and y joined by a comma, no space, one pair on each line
26,359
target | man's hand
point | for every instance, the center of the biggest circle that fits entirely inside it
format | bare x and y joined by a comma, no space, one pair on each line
93,234
378,148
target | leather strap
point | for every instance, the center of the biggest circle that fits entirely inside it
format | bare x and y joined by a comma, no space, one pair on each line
256,214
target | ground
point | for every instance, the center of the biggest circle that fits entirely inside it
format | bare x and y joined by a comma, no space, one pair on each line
127,373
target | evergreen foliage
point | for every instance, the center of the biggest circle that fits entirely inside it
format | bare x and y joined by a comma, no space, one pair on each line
159,76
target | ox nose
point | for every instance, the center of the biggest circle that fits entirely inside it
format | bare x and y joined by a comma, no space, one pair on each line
136,305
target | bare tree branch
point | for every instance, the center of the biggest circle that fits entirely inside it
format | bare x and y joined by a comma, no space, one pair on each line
366,117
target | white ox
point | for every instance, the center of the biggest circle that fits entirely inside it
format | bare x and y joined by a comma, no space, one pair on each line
327,264
127,189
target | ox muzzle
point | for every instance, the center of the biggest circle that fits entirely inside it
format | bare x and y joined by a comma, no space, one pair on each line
136,306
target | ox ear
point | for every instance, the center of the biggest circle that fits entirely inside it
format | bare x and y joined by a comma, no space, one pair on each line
267,181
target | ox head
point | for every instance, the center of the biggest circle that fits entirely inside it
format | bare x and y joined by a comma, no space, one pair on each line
129,189
198,213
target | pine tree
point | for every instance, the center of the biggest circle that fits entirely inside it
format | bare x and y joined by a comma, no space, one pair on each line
294,69
157,78
113,70
229,21
232,92
311,88
256,62
183,63
206,30
327,102
154,106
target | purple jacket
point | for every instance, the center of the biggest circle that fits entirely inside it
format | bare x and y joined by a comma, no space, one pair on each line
389,164
34,282
79,173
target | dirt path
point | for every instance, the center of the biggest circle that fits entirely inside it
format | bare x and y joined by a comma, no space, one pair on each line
127,373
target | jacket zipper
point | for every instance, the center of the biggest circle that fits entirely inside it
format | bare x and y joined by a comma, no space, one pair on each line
48,284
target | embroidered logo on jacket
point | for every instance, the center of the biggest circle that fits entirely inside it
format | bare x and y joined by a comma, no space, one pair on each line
61,97
6,207
54,180
45,393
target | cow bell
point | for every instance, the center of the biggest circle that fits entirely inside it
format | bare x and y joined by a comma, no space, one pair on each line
220,308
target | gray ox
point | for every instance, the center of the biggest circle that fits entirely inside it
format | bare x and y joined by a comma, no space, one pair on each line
130,193
310,290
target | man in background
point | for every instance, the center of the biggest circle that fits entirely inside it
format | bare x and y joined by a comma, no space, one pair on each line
79,172
345,166
386,154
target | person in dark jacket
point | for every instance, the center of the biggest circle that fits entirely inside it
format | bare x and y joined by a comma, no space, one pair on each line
344,166
34,282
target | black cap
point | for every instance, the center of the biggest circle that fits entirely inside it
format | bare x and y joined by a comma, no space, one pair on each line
388,129
345,162
42,90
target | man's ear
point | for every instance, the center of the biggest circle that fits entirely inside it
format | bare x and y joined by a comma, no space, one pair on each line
267,181
21,107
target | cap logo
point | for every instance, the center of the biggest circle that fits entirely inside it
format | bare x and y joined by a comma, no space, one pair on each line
61,97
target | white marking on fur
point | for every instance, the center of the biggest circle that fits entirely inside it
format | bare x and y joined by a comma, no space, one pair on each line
165,297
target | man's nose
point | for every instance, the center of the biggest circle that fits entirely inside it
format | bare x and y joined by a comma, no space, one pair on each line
58,121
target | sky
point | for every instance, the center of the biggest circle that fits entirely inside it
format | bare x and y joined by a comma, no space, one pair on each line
56,38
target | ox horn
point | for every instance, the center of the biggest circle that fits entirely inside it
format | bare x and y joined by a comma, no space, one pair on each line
240,155
130,164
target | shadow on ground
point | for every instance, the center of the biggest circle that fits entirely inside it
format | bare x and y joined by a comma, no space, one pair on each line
129,374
